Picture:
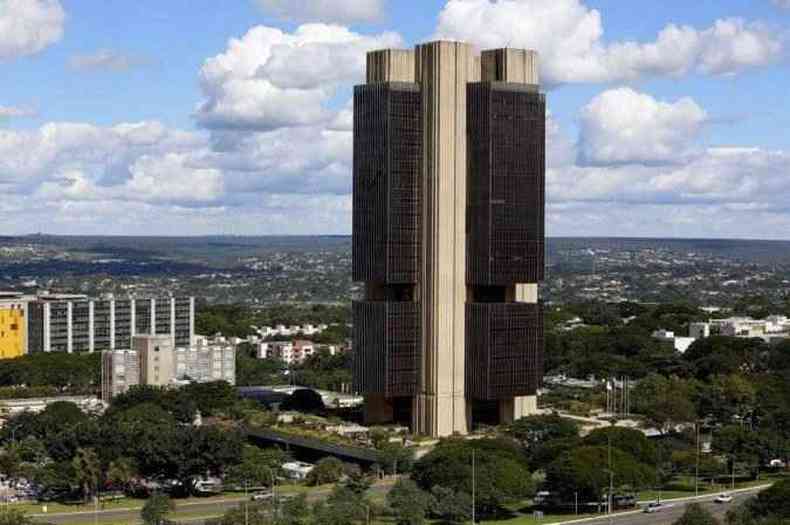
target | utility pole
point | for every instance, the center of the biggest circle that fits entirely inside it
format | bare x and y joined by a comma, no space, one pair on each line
473,487
246,505
733,472
611,479
696,471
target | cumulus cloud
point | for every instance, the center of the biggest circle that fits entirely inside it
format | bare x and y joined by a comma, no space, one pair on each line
105,60
623,126
338,11
270,79
29,26
570,38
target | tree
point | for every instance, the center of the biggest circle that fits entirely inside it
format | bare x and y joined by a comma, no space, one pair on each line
211,398
257,468
327,470
696,514
728,398
343,507
396,459
499,471
156,509
629,440
665,402
585,470
121,472
408,503
87,469
534,430
451,506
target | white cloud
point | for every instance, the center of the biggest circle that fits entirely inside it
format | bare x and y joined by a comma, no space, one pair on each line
29,26
105,60
270,79
11,111
338,11
623,126
570,39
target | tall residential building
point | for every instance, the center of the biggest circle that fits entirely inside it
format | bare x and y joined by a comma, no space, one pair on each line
120,371
449,175
13,336
75,323
154,361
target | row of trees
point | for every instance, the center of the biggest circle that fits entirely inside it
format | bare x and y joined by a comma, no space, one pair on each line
236,320
145,440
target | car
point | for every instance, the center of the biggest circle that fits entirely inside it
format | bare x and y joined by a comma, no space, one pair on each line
261,496
723,498
655,507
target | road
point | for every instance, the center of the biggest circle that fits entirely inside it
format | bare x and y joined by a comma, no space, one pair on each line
192,512
672,513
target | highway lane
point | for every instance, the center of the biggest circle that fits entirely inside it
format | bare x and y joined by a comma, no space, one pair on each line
671,514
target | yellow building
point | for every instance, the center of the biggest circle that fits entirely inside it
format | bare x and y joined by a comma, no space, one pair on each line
12,330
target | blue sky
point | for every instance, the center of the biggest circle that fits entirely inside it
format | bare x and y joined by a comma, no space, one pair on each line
139,117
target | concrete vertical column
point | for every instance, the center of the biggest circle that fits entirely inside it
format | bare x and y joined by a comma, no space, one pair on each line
443,69
91,327
69,327
518,66
112,324
390,65
191,321
47,335
132,318
153,317
173,319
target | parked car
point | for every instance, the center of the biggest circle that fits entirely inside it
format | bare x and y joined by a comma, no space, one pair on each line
723,498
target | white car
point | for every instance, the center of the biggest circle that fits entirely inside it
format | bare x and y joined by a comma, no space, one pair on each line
723,498
261,496
655,507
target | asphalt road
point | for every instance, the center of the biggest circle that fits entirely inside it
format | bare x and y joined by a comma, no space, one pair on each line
185,512
671,514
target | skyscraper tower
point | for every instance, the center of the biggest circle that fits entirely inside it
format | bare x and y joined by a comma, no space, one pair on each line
449,175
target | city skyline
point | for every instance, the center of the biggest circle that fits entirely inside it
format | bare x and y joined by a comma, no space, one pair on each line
118,120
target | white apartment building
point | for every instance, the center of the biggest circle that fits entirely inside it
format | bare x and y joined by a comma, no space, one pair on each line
155,361
290,352
76,323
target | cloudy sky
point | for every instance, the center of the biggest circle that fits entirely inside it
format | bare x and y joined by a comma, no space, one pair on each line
668,119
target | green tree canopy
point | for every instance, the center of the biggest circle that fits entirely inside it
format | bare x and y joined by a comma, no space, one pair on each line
499,471
585,470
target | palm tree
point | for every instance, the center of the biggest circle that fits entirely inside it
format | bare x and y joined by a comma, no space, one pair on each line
88,471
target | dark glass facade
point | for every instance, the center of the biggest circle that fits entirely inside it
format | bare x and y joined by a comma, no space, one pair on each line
386,348
504,350
386,241
506,183
387,166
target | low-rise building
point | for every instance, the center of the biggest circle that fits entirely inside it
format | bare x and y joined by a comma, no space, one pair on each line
290,352
153,360
297,470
